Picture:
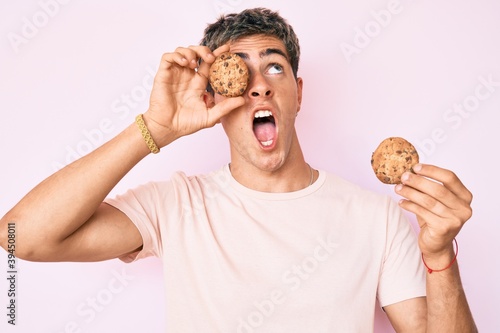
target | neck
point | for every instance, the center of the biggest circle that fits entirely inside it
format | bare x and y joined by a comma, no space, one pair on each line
292,175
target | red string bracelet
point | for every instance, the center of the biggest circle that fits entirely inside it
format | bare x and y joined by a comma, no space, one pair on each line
430,270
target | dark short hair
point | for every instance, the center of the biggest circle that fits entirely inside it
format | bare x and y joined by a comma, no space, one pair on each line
256,21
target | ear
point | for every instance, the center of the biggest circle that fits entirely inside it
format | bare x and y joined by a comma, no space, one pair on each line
300,83
209,100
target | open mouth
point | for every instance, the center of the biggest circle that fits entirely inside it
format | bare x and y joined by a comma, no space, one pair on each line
264,127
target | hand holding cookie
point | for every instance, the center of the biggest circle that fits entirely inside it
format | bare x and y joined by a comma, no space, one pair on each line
179,103
441,203
435,195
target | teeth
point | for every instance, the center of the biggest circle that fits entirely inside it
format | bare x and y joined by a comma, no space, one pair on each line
263,113
267,143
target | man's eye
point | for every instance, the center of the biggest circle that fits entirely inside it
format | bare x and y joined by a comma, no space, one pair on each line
275,69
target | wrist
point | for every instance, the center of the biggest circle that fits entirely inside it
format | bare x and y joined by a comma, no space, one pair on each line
154,135
146,135
441,261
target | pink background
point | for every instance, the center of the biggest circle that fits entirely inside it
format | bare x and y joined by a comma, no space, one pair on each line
75,73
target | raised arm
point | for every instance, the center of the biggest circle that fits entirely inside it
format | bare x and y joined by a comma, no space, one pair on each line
442,206
64,219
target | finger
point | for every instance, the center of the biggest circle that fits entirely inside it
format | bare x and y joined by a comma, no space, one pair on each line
191,54
423,214
448,178
170,59
204,68
433,189
187,56
433,196
201,53
422,200
223,108
221,49
438,226
429,211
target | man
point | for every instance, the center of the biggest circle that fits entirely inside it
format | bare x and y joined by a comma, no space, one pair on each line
266,243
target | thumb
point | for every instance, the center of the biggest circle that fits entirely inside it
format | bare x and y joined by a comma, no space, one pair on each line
223,108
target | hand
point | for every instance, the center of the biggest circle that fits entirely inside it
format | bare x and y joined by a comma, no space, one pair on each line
179,104
441,203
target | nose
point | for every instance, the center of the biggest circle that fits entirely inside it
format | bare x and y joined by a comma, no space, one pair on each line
259,87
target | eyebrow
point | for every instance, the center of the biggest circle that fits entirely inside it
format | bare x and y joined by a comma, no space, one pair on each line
264,53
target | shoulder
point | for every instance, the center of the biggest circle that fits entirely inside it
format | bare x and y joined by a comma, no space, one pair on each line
346,190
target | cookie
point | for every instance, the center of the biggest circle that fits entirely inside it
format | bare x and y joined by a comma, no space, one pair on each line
229,75
392,158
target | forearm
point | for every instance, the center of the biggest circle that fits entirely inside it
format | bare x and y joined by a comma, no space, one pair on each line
63,202
448,310
57,208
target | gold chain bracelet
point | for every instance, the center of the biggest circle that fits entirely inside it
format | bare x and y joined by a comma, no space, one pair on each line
146,135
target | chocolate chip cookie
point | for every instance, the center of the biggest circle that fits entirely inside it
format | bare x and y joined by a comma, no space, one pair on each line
392,158
229,75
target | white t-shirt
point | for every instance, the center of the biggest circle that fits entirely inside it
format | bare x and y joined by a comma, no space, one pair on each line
238,260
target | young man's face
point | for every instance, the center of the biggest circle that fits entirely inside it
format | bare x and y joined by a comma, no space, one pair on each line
262,132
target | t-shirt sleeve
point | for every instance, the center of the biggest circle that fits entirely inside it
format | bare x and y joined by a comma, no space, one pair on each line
402,275
144,206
